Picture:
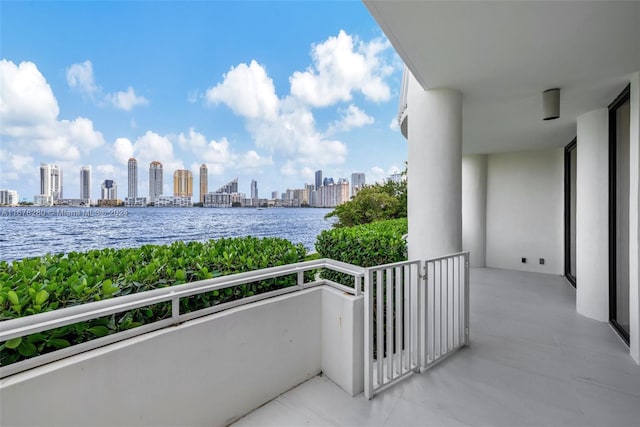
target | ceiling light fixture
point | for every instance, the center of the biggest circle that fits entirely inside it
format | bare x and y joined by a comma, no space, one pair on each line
551,104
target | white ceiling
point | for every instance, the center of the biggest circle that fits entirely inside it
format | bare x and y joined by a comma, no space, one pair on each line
503,55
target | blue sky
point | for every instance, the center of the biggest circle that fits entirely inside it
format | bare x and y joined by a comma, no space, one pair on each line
264,90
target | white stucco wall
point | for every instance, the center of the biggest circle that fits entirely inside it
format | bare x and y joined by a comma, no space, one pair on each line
592,215
205,372
343,340
474,208
634,219
525,211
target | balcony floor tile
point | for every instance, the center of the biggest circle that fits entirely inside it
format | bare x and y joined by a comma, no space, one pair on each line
532,361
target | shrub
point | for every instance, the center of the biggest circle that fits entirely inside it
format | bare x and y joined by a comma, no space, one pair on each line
373,203
37,285
365,245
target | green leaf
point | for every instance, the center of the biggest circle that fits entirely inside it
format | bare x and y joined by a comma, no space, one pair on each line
27,349
41,297
181,275
98,331
13,298
13,343
59,343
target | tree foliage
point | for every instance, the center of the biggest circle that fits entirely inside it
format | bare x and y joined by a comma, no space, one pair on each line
373,203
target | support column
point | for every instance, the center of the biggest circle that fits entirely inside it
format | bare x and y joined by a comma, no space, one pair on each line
474,208
592,215
634,220
435,172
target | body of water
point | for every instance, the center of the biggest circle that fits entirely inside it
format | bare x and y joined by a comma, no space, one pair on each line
29,232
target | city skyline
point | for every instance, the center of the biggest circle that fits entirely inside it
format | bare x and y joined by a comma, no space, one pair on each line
182,183
313,86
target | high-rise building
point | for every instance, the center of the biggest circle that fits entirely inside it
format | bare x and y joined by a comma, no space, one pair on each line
182,183
332,194
318,179
229,188
357,183
155,180
204,182
51,182
109,190
327,181
8,197
132,178
85,184
274,195
254,189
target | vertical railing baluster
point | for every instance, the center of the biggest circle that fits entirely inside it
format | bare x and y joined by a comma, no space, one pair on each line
389,321
459,301
427,311
175,309
379,329
446,307
407,314
368,335
399,320
466,298
418,316
439,353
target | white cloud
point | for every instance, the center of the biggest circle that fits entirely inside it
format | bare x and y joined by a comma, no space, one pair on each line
394,124
252,160
351,118
218,155
126,100
287,126
81,132
193,141
248,91
80,76
105,170
29,114
122,150
151,146
342,66
13,166
26,99
378,175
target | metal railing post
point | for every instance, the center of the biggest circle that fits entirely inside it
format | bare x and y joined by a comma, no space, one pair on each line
368,335
466,298
175,309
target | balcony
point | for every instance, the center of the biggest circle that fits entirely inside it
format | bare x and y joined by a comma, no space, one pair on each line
532,361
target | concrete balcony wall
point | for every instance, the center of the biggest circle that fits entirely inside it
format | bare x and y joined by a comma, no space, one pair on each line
525,211
209,371
343,340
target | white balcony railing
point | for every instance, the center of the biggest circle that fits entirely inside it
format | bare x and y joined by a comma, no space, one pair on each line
27,325
410,316
416,314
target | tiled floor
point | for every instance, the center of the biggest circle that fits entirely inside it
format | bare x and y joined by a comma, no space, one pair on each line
533,361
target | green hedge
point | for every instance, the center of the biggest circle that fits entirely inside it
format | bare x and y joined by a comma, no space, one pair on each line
36,285
364,245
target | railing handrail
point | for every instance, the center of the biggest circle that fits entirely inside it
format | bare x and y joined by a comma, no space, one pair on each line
455,254
26,325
